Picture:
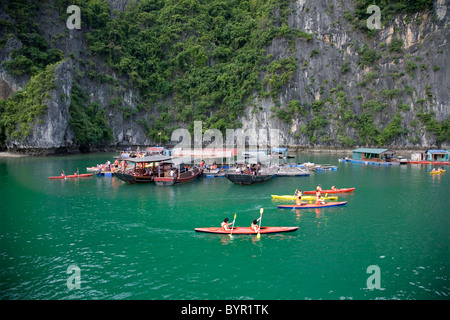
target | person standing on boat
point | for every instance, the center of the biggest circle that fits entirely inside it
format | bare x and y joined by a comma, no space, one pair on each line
225,225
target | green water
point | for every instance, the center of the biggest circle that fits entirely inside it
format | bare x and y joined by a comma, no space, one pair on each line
138,241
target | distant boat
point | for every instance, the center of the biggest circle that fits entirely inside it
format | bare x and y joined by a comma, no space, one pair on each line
247,177
83,175
292,172
242,178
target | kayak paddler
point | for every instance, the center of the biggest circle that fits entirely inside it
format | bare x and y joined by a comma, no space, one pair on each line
299,201
318,198
225,225
254,225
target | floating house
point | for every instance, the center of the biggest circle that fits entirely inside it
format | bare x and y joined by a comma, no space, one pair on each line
373,154
437,155
377,156
431,156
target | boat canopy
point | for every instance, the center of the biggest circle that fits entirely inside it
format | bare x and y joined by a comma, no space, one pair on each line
157,158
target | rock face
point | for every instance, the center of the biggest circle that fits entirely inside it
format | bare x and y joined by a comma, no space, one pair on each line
51,131
329,71
336,43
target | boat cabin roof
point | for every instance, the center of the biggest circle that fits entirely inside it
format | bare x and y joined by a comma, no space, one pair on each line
157,158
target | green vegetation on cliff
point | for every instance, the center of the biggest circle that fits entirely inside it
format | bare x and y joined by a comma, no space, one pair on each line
205,55
22,110
208,60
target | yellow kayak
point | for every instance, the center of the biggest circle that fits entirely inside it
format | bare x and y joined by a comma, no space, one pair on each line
304,198
436,172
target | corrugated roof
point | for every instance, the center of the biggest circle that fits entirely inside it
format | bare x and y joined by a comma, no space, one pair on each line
370,150
437,151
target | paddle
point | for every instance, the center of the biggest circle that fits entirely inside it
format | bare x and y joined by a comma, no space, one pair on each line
231,234
260,218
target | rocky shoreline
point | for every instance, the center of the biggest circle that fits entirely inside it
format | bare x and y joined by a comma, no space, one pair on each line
34,152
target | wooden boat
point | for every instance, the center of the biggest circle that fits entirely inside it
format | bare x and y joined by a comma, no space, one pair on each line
247,230
312,206
83,175
341,190
182,177
242,178
133,178
304,198
141,172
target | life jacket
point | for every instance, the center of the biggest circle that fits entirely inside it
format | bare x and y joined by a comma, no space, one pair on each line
225,226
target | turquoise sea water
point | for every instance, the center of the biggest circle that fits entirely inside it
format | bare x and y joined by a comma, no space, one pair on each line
138,241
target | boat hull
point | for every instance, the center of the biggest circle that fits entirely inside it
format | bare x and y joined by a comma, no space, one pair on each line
304,198
84,175
312,206
247,230
342,190
183,178
247,179
130,178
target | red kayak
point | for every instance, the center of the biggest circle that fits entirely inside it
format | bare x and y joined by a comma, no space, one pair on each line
247,230
73,176
309,206
331,191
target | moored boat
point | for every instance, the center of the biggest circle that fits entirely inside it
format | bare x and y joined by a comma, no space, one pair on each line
247,230
145,169
181,177
242,178
340,190
312,206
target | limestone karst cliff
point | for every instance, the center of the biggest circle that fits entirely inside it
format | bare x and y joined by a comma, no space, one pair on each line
311,69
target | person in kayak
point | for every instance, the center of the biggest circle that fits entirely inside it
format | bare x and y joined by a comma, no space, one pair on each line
333,188
319,188
299,201
318,199
254,225
225,225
